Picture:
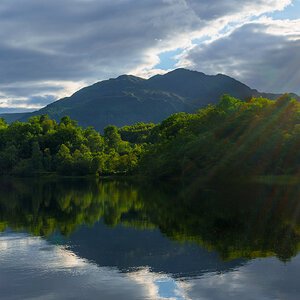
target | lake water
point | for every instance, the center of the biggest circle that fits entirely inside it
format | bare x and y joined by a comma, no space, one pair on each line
92,239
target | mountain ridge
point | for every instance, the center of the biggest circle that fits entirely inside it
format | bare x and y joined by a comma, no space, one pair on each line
129,99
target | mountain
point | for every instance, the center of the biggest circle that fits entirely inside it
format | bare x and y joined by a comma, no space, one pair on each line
129,99
11,117
198,88
121,101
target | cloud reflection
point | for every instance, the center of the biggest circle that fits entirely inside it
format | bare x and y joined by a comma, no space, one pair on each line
31,268
259,279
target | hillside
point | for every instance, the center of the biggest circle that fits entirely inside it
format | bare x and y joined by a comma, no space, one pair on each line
11,117
128,99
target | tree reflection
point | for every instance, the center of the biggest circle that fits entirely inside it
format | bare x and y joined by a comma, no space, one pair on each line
241,220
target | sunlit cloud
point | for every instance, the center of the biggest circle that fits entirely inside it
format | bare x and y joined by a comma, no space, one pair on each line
41,94
264,54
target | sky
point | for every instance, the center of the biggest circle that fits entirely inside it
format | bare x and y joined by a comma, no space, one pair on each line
50,49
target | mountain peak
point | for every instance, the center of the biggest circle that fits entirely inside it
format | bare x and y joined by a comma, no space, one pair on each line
129,99
130,78
180,72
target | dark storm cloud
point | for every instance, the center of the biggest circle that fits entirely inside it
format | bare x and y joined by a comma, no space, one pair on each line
79,39
264,55
73,40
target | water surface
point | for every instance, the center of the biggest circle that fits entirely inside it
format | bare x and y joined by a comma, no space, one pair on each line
80,239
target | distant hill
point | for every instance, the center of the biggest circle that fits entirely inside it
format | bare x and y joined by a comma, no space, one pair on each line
11,117
128,99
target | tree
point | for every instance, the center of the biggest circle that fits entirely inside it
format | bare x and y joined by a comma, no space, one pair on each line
3,123
36,157
97,164
66,120
111,136
8,158
93,140
47,160
64,160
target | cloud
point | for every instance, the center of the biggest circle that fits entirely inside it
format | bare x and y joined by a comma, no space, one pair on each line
21,109
37,94
235,9
21,90
89,40
264,54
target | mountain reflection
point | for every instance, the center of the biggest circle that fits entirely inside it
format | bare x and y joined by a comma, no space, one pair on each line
237,221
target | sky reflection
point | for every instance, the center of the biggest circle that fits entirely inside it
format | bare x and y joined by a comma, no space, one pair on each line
260,279
32,268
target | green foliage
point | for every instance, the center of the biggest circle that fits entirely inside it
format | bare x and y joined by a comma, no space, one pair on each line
36,157
3,123
42,145
138,133
232,138
111,136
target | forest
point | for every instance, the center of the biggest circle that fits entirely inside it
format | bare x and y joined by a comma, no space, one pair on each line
231,138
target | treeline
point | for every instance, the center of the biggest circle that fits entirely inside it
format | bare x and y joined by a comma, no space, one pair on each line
43,145
231,138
